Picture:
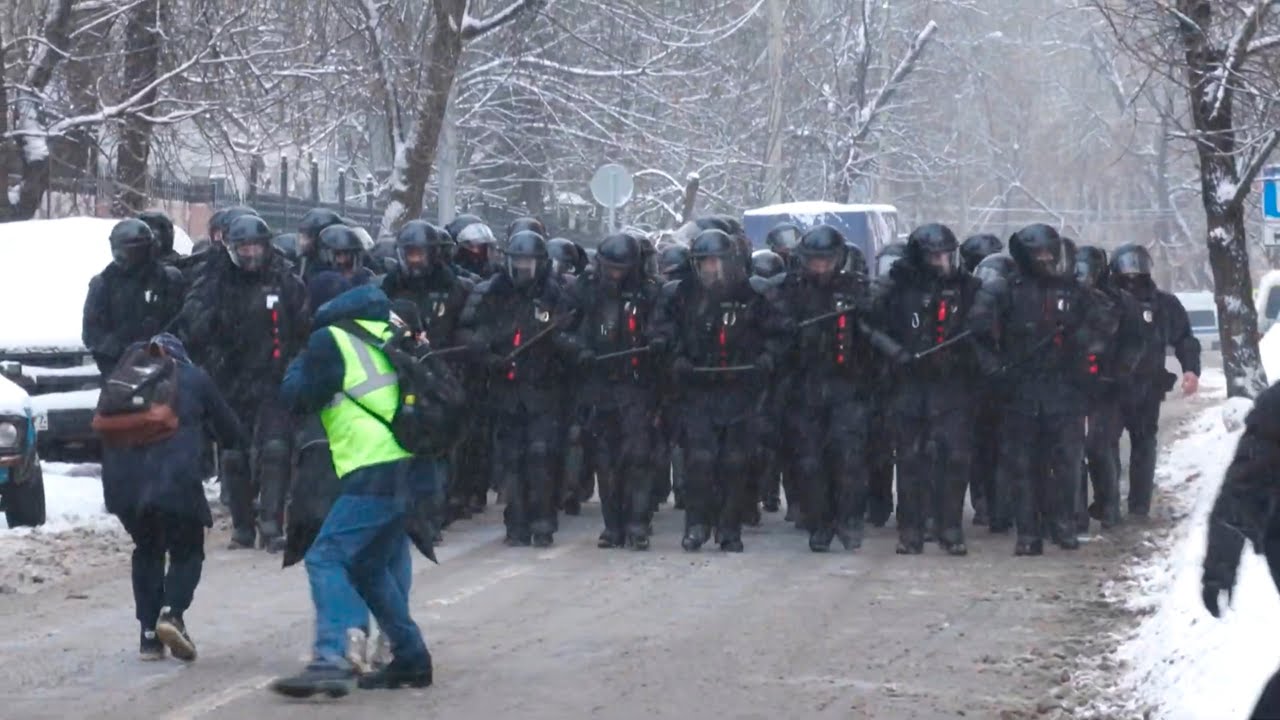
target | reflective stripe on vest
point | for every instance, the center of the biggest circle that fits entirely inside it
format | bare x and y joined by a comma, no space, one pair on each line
356,439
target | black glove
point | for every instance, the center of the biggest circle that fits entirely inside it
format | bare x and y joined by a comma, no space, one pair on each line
903,357
764,364
586,357
1211,595
682,368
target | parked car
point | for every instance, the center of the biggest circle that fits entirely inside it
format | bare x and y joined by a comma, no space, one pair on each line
1202,311
21,480
40,337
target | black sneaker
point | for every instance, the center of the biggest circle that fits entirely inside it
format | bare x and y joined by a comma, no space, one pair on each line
397,675
173,633
150,647
316,680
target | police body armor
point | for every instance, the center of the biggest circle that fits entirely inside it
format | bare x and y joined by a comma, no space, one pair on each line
928,317
616,325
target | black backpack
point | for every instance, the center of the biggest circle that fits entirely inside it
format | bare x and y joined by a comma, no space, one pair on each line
138,404
430,418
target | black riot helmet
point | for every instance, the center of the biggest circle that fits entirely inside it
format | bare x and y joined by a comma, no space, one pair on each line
310,226
248,241
821,253
977,247
420,246
1091,266
767,264
618,259
527,259
530,223
855,261
1131,259
673,263
287,244
564,257
220,221
340,249
462,222
162,227
994,267
783,239
1037,249
890,254
714,222
933,248
714,255
133,244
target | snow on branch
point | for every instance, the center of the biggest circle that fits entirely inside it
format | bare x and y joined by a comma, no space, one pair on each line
1254,166
473,28
1237,52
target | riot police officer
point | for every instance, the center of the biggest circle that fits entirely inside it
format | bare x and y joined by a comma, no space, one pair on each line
1165,325
244,323
1110,370
134,298
608,314
724,338
341,250
768,273
986,447
925,308
313,222
829,400
992,274
782,239
476,245
880,453
1044,325
507,323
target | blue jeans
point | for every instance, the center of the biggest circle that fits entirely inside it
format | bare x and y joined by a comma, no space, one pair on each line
357,547
354,609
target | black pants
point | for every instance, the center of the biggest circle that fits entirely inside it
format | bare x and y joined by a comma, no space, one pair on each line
1044,465
155,535
618,443
831,442
1105,426
524,446
933,473
880,463
986,458
1140,413
717,446
263,474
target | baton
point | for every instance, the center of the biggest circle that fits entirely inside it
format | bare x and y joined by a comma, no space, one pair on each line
446,351
944,344
541,334
623,353
824,316
729,369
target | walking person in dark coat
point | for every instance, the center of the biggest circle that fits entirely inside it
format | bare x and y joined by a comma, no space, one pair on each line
156,491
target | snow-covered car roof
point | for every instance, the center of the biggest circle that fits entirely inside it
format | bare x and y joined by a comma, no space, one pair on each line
13,399
51,263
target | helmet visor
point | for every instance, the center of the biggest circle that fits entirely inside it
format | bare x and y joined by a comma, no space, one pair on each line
475,235
711,271
131,255
942,263
884,263
820,265
414,260
249,256
524,270
1132,263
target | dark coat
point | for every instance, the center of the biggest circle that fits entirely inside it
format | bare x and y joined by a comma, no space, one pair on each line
167,476
122,308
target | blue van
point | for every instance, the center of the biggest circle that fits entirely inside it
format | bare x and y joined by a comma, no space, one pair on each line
871,227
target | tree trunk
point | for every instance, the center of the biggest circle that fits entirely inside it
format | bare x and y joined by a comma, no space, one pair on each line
141,65
414,161
777,89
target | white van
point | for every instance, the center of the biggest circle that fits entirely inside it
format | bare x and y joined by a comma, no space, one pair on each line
1202,311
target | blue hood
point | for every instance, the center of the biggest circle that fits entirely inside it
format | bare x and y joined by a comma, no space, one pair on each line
366,302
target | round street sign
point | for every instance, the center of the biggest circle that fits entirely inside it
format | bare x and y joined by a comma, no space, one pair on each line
611,186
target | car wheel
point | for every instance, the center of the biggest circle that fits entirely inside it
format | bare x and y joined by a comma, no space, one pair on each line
24,501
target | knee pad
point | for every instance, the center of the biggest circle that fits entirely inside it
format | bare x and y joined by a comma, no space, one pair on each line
274,451
234,460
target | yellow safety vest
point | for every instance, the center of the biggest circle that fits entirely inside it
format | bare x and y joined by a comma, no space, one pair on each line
356,439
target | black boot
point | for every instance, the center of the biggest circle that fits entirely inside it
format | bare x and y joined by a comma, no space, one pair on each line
695,537
733,545
638,541
397,675
517,538
542,540
572,506
242,539
316,680
820,540
850,536
609,539
1026,548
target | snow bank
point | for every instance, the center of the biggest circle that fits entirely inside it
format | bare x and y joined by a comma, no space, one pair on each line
1269,346
59,258
73,499
1182,661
